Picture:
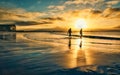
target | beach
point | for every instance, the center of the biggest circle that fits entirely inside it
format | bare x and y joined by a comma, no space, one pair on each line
54,53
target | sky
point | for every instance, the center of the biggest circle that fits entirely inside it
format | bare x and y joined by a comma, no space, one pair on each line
60,14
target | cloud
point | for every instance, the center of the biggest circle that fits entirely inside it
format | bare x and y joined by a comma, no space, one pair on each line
110,3
18,14
56,7
94,4
53,18
104,18
118,26
93,13
96,12
111,13
29,23
24,18
32,15
84,13
76,2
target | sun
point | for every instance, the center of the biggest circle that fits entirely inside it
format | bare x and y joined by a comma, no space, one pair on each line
80,23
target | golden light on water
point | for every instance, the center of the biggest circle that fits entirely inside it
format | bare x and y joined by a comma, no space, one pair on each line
80,23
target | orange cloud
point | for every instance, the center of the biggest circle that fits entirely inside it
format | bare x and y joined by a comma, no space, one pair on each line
18,14
111,13
94,18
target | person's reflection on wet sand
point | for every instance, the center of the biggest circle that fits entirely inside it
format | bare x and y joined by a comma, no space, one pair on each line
69,43
80,44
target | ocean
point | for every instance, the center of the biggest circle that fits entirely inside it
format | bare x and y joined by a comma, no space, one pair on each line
54,53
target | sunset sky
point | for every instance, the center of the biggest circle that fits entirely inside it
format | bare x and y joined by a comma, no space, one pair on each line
60,14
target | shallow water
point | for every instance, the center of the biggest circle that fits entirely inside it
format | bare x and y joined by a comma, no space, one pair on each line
40,53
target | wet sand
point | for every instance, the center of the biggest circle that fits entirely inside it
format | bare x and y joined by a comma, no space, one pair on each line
42,53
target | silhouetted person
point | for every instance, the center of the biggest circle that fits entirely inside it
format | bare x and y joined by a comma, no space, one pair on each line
81,33
69,32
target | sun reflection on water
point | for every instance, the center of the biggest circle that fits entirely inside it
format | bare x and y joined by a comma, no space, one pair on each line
75,56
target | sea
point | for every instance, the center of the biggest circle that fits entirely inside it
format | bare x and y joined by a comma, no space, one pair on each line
55,53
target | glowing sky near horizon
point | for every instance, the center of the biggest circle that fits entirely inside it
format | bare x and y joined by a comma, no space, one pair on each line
61,14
